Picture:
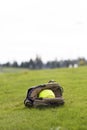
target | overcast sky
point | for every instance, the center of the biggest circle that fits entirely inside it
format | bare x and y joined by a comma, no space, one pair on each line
49,28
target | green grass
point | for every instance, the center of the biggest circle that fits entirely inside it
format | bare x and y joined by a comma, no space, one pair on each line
15,116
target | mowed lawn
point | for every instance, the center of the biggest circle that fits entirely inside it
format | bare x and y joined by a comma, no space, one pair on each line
71,116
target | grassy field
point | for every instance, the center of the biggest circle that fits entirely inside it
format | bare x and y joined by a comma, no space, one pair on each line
15,116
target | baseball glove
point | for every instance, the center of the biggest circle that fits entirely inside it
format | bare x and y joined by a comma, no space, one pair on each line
32,99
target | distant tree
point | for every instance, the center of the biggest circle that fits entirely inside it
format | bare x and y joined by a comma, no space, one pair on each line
82,61
62,63
38,63
15,64
52,64
48,64
67,63
8,64
31,64
24,64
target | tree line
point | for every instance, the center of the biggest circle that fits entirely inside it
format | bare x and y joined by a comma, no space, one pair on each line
38,63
